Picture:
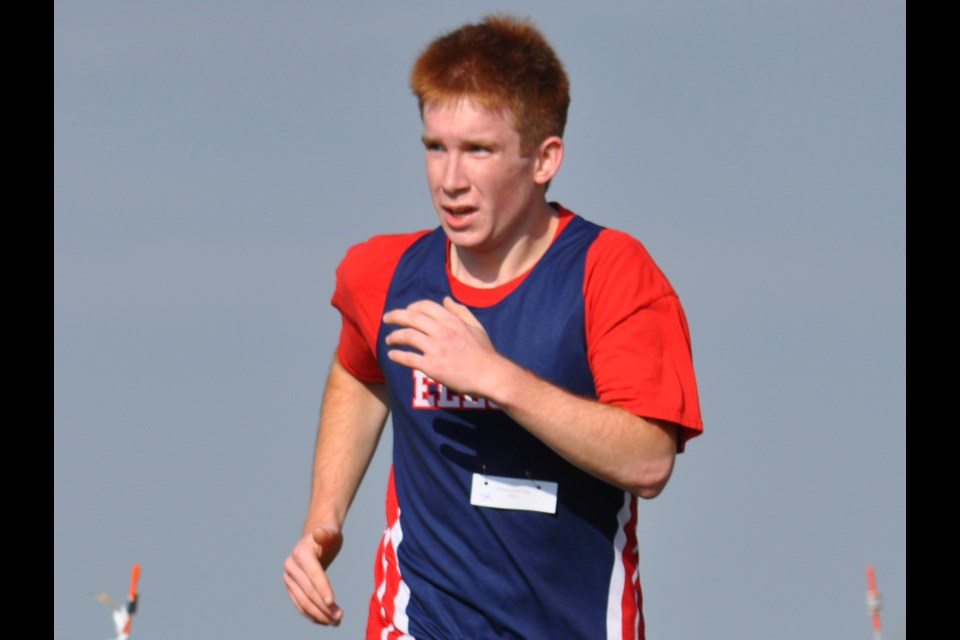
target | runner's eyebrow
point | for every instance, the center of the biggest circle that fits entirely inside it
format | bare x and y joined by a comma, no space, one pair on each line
478,142
464,144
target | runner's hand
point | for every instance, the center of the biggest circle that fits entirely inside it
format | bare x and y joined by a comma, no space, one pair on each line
305,576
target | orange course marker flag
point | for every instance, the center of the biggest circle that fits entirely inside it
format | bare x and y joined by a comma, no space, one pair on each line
134,577
873,600
132,597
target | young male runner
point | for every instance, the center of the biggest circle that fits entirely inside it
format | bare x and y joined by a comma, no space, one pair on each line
537,368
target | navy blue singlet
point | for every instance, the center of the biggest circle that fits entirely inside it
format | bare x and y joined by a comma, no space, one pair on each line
476,572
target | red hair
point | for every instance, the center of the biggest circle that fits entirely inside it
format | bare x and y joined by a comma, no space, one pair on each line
503,64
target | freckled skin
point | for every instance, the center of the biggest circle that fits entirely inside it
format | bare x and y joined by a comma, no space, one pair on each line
488,196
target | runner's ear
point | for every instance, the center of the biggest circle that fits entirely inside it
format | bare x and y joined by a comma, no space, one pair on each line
549,155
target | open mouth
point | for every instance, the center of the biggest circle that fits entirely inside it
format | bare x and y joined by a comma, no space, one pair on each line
459,211
458,217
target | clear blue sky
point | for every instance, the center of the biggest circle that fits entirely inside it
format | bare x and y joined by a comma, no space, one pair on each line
213,161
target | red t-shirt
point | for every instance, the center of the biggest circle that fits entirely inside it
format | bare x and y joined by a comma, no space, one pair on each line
638,343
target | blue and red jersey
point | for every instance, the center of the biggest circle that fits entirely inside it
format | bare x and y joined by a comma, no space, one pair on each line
595,316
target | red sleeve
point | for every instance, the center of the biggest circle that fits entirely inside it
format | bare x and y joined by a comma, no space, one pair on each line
638,344
363,277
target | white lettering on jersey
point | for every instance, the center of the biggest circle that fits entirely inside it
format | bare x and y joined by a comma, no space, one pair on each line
430,394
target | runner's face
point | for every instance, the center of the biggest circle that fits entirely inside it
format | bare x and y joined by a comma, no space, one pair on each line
483,189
